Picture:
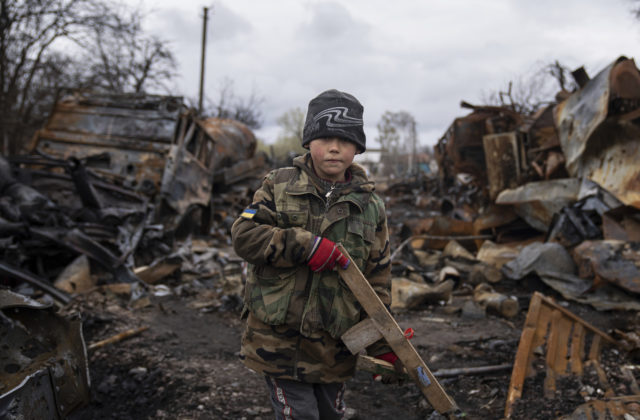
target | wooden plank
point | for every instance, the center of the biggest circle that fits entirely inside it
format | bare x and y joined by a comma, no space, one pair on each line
394,336
617,409
521,364
629,115
562,349
549,388
520,369
542,329
551,356
361,335
565,337
577,349
377,366
553,340
602,378
594,351
575,318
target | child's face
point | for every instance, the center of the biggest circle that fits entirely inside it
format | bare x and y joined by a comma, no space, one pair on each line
331,157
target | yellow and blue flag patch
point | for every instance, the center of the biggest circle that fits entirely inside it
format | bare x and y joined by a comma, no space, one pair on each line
249,213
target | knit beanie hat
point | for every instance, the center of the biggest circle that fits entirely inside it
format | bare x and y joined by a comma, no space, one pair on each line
335,114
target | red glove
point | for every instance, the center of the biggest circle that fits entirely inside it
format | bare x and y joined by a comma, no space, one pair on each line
388,357
393,359
389,378
325,255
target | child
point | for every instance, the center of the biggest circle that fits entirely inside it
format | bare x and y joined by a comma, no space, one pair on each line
296,305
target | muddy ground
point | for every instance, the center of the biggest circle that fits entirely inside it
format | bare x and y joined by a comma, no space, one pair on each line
185,366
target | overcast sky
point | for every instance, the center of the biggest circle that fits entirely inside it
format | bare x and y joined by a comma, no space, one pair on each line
423,57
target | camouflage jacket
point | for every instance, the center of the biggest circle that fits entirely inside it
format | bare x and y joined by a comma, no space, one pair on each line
295,316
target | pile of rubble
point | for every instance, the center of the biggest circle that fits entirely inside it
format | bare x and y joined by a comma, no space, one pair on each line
122,193
552,197
109,197
558,191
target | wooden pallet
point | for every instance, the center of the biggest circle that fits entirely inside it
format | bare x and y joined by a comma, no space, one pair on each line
568,345
381,324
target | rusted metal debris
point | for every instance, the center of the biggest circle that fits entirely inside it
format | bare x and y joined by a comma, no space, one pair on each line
502,155
564,176
590,134
515,196
556,267
613,262
111,186
42,284
206,159
124,136
150,147
598,130
461,149
43,369
556,344
622,224
537,202
109,173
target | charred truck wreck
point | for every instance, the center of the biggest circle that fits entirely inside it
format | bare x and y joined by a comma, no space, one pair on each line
108,187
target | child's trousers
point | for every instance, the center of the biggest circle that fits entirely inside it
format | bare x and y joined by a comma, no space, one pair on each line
294,400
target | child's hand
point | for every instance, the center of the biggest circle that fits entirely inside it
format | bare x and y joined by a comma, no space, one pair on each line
325,255
391,378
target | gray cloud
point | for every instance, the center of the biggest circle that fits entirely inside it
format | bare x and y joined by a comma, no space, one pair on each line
227,25
423,57
332,28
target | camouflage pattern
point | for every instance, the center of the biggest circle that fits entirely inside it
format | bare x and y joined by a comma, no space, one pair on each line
295,316
283,352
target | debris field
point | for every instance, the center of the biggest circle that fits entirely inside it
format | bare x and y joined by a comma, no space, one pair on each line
515,263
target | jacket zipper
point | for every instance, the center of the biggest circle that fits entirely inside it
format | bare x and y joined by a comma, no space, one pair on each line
328,197
307,289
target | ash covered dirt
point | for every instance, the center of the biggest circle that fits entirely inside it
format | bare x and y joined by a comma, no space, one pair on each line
186,366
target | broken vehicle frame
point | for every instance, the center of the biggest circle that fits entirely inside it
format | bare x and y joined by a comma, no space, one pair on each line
150,144
598,130
43,370
131,134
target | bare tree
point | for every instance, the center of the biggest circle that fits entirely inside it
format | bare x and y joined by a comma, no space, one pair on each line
247,110
398,139
228,105
121,58
388,135
28,29
529,92
289,141
34,35
55,71
292,124
560,73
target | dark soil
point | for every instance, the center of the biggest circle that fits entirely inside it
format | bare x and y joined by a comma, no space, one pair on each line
185,366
